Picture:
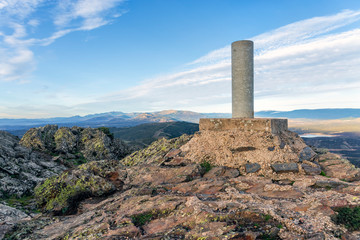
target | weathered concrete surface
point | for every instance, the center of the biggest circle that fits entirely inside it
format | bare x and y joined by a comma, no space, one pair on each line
242,68
235,148
270,125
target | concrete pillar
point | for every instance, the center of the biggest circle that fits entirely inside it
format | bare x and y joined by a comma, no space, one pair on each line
242,68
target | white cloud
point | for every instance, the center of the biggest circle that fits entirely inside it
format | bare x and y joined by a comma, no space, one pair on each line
17,24
18,8
91,12
301,65
34,22
308,64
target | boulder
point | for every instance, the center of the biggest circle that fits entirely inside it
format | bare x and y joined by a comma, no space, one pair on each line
252,167
285,167
8,217
41,138
306,154
311,169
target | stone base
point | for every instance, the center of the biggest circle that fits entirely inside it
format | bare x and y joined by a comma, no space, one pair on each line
271,125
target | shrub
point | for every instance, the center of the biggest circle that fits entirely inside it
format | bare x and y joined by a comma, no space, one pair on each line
141,219
206,165
350,217
107,132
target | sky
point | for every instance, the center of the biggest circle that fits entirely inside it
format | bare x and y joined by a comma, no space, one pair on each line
75,57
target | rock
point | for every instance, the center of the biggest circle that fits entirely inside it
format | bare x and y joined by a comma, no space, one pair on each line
144,198
305,182
177,161
156,152
8,217
21,169
285,167
334,166
75,144
41,138
67,140
315,236
306,154
330,184
252,167
62,194
311,169
173,153
222,172
200,187
155,175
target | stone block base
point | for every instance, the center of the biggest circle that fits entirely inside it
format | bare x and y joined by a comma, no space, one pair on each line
271,125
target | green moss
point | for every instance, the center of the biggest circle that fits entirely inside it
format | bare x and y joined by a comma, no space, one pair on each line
62,194
323,174
267,217
349,217
23,201
141,219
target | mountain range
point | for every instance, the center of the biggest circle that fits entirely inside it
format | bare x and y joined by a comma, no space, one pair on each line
121,119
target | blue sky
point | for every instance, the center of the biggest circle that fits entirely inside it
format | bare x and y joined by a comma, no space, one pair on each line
76,57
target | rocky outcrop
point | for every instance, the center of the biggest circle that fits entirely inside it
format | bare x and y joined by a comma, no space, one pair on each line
333,165
41,138
156,153
8,217
21,168
77,145
165,195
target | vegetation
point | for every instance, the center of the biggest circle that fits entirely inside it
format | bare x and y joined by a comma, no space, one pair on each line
62,194
107,132
267,217
350,217
24,203
141,219
206,165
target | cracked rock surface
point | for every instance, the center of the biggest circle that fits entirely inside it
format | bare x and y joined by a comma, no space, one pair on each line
159,193
21,168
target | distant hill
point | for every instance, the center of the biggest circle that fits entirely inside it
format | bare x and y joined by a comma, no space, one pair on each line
110,119
121,119
144,134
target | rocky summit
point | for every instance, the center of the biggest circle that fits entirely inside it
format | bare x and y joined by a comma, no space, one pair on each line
161,192
75,145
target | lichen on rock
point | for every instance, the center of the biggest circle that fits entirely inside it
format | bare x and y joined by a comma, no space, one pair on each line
41,138
61,194
75,145
155,153
21,168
